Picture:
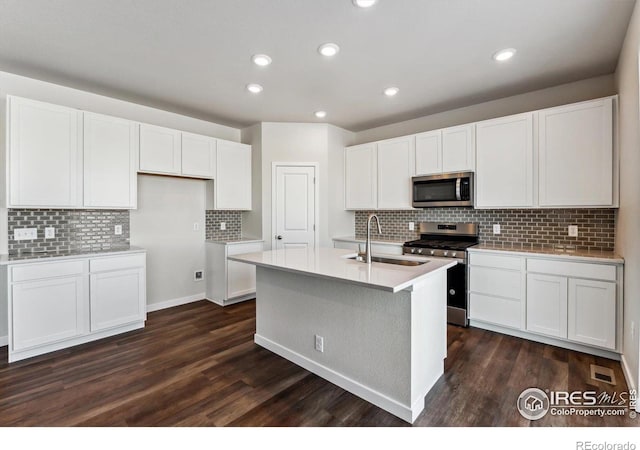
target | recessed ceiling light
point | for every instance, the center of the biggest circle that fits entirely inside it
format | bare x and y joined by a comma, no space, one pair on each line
503,55
391,91
261,60
254,88
328,49
320,114
364,3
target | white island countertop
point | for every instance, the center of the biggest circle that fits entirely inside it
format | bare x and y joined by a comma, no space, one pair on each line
333,263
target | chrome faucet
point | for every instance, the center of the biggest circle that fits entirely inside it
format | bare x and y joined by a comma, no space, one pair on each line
367,245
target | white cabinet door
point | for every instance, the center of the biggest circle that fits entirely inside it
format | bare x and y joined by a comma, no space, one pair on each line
198,156
45,160
241,279
117,298
47,311
396,159
160,150
576,155
361,176
110,162
592,312
233,176
458,149
547,305
429,153
504,162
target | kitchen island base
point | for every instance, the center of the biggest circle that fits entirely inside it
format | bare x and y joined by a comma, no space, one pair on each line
387,348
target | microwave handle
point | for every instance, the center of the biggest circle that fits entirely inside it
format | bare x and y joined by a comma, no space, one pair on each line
458,182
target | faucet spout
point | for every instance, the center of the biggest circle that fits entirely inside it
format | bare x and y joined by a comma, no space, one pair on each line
367,249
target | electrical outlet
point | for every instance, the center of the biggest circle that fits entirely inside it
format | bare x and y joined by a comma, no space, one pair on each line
223,225
198,275
573,230
196,226
23,234
412,226
49,233
319,343
496,228
118,230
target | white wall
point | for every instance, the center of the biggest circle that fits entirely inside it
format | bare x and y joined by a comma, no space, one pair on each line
163,224
628,223
544,98
252,220
313,143
180,202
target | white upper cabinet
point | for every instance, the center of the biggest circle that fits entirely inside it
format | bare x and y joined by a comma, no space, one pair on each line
458,149
45,155
429,153
395,168
504,162
160,150
198,156
110,162
233,176
361,177
575,155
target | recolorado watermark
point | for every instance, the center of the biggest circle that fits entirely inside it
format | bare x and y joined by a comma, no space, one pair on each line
534,404
589,445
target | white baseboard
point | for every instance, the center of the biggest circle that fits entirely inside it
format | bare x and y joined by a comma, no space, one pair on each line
232,301
4,340
175,302
631,381
388,404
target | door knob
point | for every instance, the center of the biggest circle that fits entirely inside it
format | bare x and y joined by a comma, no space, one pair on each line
278,237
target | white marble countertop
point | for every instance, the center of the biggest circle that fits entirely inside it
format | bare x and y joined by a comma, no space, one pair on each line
333,263
30,257
574,255
355,239
234,241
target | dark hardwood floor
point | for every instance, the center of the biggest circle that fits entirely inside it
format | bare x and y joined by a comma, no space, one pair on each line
197,365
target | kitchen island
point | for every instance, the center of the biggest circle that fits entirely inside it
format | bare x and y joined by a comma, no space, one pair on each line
378,330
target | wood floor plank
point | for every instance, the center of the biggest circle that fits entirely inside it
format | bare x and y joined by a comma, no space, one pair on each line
197,365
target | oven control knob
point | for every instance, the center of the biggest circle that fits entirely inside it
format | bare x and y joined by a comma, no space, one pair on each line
452,292
413,250
453,255
420,251
433,252
446,253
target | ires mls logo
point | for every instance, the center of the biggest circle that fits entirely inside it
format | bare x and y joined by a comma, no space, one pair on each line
533,404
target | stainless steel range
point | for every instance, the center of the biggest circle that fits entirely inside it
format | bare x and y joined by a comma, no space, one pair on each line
448,240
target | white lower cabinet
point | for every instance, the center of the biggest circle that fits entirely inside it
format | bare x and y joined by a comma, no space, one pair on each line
230,282
571,303
61,303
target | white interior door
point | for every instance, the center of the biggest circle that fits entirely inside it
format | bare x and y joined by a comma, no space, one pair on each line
294,207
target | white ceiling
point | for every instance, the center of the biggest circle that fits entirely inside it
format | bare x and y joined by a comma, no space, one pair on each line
193,56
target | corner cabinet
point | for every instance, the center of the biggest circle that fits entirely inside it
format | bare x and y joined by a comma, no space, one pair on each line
65,302
571,303
361,177
230,282
396,158
575,155
232,186
44,155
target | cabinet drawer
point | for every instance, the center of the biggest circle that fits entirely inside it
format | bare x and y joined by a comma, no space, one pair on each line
500,311
572,269
495,261
117,262
238,249
501,283
46,270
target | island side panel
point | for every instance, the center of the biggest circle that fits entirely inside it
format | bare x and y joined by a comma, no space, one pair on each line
367,333
428,337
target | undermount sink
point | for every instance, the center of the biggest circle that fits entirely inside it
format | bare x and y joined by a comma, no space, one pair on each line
398,262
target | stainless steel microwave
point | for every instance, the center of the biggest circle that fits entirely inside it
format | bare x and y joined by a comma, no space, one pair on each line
447,189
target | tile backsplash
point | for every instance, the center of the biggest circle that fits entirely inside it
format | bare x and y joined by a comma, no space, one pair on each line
233,221
519,227
75,229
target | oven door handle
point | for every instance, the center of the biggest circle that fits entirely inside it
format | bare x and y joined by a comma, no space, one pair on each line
458,183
